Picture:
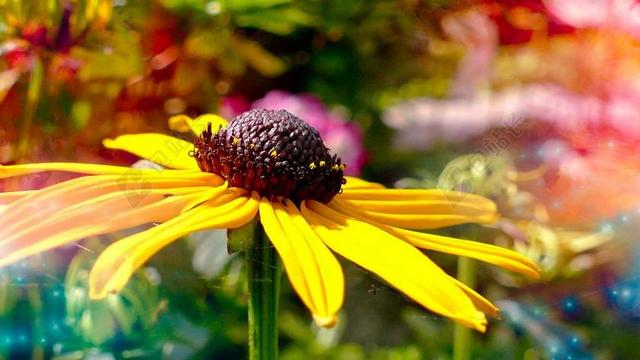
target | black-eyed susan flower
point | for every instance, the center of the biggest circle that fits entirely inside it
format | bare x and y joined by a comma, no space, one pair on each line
265,163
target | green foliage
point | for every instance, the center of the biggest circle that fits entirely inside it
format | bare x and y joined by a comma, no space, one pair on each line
131,314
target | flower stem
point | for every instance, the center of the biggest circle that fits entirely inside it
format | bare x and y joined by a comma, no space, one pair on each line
462,336
263,272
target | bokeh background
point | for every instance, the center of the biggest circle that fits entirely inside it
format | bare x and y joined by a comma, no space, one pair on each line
532,103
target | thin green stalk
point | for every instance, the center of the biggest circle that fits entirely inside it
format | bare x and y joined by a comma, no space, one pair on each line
462,336
263,272
33,96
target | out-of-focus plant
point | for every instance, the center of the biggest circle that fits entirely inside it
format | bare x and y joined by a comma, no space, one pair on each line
542,62
553,340
128,315
563,254
37,41
116,67
524,225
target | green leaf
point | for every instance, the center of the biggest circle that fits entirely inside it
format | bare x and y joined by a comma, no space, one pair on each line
280,21
80,114
244,5
119,57
258,58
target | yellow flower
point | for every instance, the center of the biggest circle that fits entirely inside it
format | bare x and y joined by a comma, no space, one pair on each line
308,213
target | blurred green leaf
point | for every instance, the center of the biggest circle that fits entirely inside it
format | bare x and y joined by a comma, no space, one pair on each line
243,5
118,57
280,21
80,114
97,322
258,58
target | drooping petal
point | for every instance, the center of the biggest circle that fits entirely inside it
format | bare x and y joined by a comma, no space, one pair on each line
420,209
395,261
496,255
480,302
106,214
357,183
7,171
183,123
117,263
415,194
40,204
313,271
13,196
507,259
167,151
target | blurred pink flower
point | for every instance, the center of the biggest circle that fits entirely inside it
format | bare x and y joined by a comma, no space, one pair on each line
622,15
342,137
232,106
422,122
479,35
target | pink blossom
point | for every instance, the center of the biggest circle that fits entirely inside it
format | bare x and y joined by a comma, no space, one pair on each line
421,122
479,35
232,106
622,15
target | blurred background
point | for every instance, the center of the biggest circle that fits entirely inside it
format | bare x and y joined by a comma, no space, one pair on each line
531,103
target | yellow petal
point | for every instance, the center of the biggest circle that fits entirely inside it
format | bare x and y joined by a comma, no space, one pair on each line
161,149
415,194
436,206
183,123
480,302
105,214
492,254
424,214
313,271
117,263
357,183
496,255
42,203
420,209
10,197
7,171
395,261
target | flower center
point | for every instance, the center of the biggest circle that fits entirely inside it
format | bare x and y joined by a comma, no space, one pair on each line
274,153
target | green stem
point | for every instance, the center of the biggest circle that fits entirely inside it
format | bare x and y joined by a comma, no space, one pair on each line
462,336
263,272
33,95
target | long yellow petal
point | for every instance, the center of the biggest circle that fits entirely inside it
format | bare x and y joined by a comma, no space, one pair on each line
117,263
183,123
414,194
357,183
436,206
313,271
13,196
7,171
395,261
40,204
425,220
161,149
420,209
496,255
105,214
